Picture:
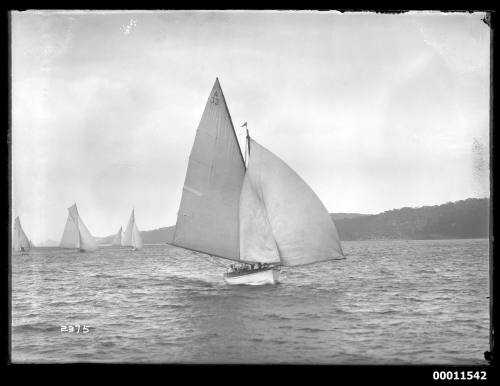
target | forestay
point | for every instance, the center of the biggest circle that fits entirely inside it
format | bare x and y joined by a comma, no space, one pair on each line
207,220
297,220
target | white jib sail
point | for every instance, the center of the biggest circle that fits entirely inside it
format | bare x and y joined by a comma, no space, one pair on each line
299,222
21,241
256,239
117,241
132,236
87,241
76,234
207,220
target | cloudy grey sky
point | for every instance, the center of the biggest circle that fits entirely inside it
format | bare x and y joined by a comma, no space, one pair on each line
375,112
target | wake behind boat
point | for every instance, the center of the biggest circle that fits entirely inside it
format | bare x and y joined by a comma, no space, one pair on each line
262,212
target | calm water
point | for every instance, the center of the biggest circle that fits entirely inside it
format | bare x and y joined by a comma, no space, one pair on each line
390,302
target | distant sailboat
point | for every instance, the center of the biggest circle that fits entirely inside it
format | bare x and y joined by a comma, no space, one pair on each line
21,243
117,241
76,235
132,236
263,215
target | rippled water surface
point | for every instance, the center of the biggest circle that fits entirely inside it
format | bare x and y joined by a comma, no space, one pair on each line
390,302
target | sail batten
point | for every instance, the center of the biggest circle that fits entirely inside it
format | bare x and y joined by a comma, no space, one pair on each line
207,219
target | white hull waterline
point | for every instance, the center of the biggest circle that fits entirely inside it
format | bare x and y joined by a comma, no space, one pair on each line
257,277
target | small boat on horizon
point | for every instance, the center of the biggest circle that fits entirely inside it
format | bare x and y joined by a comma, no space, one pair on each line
118,239
76,235
132,236
21,243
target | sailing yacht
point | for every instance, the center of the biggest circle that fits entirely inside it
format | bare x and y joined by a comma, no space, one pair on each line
21,243
132,236
117,240
260,213
76,235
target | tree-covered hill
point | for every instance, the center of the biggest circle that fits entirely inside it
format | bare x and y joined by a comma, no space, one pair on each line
454,220
466,219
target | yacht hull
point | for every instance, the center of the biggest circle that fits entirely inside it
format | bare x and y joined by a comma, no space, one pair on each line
260,277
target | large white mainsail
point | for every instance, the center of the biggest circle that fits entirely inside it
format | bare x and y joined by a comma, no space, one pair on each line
76,234
117,240
132,236
207,220
21,241
281,218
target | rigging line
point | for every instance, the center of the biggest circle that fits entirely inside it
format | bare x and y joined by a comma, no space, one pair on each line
245,160
212,261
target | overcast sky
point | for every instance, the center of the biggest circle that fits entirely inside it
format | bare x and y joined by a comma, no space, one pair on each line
375,112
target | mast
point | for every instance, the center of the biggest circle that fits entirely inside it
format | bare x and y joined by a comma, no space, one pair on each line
78,228
133,225
248,142
132,241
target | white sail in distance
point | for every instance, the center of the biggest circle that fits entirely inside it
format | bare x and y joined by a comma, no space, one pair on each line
132,236
281,218
207,220
76,234
21,241
117,240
